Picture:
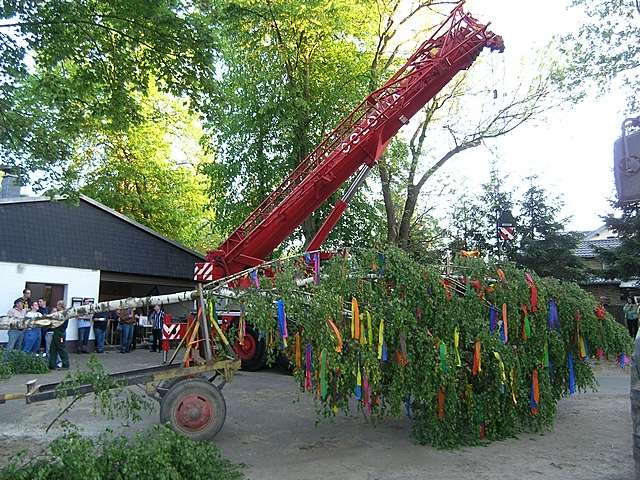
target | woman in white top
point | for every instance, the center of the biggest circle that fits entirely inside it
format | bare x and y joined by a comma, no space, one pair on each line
32,335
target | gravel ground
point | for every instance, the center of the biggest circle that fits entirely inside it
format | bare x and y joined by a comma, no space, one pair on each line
272,430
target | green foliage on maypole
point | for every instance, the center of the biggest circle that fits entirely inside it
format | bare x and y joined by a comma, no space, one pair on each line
438,358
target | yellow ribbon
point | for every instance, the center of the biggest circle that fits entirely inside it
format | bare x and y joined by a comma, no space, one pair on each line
456,342
380,338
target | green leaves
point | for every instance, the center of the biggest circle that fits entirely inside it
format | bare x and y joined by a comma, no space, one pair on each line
156,454
420,324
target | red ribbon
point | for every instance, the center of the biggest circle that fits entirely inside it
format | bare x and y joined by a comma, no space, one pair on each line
534,292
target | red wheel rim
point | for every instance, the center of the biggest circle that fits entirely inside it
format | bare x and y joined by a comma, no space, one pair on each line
194,412
247,350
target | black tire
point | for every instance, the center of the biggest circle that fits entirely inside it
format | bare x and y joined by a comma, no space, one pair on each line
258,356
194,408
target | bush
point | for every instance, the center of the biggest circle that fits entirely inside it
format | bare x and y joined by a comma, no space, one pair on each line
22,362
156,454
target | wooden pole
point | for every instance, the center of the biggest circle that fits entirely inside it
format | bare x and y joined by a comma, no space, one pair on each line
204,325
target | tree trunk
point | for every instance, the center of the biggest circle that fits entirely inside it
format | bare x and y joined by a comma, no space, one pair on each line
407,215
389,207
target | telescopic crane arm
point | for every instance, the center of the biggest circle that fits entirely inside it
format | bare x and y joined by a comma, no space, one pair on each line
355,144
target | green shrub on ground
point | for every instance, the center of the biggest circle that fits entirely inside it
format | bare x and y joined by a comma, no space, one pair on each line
158,453
21,362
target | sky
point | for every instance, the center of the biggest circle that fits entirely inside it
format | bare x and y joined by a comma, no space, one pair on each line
570,149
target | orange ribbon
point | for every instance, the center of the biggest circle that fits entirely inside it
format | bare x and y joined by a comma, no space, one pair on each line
336,332
477,360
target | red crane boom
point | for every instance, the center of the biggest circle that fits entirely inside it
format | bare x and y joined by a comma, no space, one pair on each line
356,143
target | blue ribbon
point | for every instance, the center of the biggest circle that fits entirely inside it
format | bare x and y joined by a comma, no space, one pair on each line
554,321
282,318
621,359
385,354
572,375
254,277
493,320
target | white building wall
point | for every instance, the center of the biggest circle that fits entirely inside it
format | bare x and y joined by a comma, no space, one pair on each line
78,283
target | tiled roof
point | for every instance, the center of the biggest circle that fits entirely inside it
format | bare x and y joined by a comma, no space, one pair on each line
88,235
585,248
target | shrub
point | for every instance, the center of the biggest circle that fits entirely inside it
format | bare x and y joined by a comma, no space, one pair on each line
22,362
158,453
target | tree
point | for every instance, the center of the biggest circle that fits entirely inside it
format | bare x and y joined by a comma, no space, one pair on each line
68,68
136,174
544,247
290,70
623,261
604,50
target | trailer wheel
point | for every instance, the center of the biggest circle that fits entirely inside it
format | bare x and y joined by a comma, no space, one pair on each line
194,408
253,351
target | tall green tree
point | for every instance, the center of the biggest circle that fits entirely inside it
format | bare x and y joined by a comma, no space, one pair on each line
71,67
545,246
623,261
290,70
141,172
605,50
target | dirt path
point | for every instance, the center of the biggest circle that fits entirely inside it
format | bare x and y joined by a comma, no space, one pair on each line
271,429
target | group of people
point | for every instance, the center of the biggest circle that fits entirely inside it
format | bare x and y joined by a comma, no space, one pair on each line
51,342
30,339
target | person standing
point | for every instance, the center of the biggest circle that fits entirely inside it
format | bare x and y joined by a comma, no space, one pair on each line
630,310
26,299
127,319
32,335
16,336
157,320
84,327
45,333
100,320
58,347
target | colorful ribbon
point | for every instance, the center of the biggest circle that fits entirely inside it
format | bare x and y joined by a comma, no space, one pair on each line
370,330
380,338
282,322
512,377
477,359
504,328
493,319
534,292
255,278
336,333
572,374
582,351
501,275
622,359
298,351
213,319
308,358
355,319
441,401
241,326
553,320
358,389
316,268
456,343
534,396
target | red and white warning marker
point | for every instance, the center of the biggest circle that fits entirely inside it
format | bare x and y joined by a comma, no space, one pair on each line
203,272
